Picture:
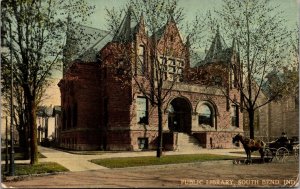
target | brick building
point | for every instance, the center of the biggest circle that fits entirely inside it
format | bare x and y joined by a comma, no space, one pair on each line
103,108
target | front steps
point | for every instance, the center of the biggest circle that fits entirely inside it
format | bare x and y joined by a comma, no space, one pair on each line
186,143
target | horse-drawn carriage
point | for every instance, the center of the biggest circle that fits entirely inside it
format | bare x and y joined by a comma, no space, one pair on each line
281,148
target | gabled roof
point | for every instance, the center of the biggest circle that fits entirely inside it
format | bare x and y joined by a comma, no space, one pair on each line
82,40
86,41
218,51
159,33
90,55
127,28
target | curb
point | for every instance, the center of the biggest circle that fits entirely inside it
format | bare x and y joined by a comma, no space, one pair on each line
220,162
22,177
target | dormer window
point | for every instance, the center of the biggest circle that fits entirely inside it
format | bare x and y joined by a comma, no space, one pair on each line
120,67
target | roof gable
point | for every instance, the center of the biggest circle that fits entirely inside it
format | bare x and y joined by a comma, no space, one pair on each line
127,28
169,36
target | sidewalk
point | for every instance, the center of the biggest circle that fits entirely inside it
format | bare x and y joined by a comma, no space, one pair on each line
78,162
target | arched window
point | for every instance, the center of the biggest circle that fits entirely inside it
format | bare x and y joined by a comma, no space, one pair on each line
206,115
141,60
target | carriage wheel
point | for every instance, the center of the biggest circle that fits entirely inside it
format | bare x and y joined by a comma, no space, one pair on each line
268,155
281,153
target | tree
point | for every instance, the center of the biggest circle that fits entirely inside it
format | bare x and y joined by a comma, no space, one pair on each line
161,19
260,35
38,31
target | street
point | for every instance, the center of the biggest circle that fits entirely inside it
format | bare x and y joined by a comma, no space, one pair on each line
206,174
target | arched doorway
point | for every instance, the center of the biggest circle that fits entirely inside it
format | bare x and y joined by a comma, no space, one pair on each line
179,117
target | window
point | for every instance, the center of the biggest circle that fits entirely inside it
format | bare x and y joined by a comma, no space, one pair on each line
165,75
218,80
141,60
172,62
142,110
172,69
163,62
172,38
235,115
105,112
74,115
69,118
64,120
180,71
205,115
143,143
121,67
233,76
180,63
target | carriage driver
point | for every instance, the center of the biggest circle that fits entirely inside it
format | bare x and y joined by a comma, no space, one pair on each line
283,139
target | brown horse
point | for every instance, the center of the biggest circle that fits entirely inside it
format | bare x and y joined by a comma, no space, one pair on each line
250,146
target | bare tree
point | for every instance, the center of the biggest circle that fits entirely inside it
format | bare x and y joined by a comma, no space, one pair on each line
260,35
37,33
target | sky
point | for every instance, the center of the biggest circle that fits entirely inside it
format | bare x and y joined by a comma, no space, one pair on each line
290,9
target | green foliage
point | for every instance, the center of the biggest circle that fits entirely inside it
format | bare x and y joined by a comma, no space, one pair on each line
144,161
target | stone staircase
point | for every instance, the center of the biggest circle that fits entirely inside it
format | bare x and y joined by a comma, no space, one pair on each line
187,142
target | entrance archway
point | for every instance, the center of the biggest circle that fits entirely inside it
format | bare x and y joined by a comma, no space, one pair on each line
179,117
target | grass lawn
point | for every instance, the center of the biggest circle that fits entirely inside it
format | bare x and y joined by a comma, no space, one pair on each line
45,167
151,160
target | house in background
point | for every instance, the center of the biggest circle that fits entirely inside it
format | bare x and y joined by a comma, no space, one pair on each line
100,112
48,121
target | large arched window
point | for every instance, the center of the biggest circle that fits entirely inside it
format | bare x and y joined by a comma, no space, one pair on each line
206,114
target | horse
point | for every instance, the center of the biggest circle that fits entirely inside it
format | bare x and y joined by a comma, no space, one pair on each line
250,146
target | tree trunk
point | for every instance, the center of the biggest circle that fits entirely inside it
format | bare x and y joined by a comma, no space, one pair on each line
23,142
251,122
33,132
160,136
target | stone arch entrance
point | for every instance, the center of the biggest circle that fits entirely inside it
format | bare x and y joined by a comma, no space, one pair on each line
179,115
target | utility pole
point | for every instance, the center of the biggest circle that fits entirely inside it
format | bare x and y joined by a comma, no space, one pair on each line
12,166
6,144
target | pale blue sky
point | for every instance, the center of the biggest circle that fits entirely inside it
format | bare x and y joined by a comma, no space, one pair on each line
191,8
